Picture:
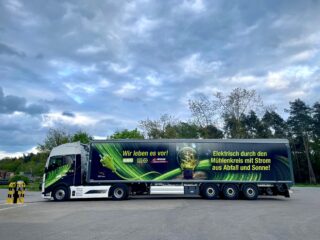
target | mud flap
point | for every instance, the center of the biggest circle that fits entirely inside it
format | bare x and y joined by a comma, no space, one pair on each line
286,193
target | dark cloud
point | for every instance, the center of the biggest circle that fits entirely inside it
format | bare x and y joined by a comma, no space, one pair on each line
5,49
39,56
68,114
10,104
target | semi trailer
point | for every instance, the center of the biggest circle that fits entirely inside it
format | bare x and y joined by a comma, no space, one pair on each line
212,168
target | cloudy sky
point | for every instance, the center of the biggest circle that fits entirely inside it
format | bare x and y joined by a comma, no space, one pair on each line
105,65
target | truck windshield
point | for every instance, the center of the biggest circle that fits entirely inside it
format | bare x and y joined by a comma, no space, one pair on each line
58,161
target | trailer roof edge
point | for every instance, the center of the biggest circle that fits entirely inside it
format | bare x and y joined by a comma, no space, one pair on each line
268,140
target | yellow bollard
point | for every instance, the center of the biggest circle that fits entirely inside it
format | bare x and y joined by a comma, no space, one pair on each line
11,193
21,188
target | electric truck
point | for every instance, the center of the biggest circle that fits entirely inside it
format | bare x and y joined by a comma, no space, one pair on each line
211,168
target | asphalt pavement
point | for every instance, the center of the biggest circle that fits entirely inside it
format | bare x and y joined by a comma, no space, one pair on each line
166,218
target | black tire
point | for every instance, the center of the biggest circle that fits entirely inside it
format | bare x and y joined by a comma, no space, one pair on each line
269,191
230,191
60,194
281,188
250,191
119,192
210,191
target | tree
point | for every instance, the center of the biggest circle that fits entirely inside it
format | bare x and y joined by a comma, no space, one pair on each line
187,130
204,113
81,136
274,124
315,144
127,134
203,110
253,126
233,128
234,106
231,108
316,120
210,131
300,124
156,129
170,132
54,138
10,164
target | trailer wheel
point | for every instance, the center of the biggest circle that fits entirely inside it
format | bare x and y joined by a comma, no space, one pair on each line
250,191
210,191
230,191
269,191
60,193
119,192
281,188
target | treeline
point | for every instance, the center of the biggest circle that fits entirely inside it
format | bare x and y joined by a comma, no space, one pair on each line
239,114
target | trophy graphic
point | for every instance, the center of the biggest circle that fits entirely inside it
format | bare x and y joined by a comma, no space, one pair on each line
187,158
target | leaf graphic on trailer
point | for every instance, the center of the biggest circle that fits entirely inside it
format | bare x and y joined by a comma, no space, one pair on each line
107,162
112,159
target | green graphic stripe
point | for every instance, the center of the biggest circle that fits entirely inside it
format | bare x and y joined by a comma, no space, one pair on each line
281,167
54,175
139,177
169,175
230,176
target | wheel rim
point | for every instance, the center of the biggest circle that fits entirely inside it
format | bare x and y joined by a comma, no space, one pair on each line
60,194
251,192
231,192
118,192
211,192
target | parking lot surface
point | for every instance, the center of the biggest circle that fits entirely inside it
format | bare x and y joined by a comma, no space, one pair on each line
163,218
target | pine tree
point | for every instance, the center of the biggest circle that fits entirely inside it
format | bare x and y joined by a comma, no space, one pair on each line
316,136
274,125
300,122
253,126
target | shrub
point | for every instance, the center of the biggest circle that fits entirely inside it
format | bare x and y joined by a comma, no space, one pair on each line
19,178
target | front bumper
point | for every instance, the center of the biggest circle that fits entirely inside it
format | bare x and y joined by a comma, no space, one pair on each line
46,196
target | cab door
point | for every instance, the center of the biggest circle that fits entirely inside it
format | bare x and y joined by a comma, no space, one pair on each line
77,181
61,169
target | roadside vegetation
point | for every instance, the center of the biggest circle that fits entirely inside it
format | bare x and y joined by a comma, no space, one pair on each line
239,114
306,185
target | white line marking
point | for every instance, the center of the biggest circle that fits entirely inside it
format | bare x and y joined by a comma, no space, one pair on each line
13,207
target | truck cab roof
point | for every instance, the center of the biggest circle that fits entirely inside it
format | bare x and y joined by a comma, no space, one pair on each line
67,149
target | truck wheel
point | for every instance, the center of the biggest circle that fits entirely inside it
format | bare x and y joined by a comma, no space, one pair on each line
61,193
230,191
250,191
119,192
210,191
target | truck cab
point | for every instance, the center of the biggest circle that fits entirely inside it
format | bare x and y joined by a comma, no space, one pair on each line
66,166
